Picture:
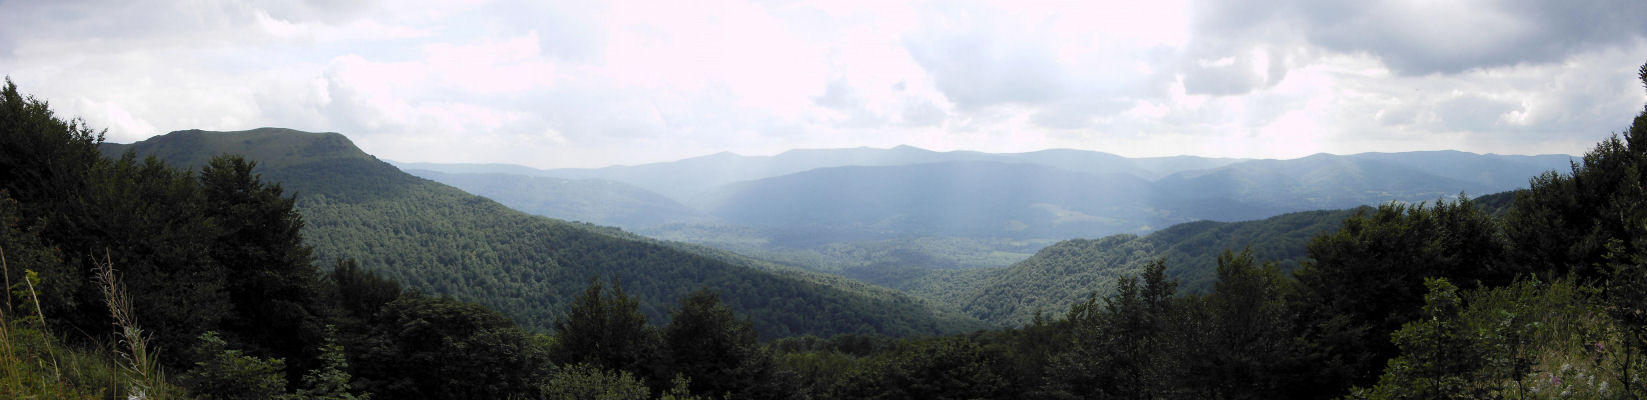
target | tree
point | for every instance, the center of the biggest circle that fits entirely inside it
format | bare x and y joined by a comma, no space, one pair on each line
331,380
1249,337
224,373
437,347
359,293
605,331
951,368
1567,221
1368,279
270,282
1438,353
706,342
588,382
43,160
1122,350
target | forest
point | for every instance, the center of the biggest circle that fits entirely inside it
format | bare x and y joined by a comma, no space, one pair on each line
135,278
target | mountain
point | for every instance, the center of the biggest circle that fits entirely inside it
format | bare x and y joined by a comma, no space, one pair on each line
438,239
1068,271
688,179
596,201
1326,181
886,216
957,199
1491,170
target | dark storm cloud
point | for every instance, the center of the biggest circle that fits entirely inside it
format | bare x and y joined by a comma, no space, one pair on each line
1421,38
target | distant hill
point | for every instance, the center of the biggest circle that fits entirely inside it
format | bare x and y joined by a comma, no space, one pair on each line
1326,181
961,199
1066,272
438,239
689,179
887,216
596,201
1489,170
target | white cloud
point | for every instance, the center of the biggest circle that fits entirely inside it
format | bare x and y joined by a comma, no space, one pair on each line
588,84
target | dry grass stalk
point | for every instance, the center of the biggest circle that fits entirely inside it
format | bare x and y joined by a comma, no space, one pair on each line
132,346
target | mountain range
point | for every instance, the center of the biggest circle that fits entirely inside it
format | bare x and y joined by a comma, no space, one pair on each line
838,210
440,240
944,242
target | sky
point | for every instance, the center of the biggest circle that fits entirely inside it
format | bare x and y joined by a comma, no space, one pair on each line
590,84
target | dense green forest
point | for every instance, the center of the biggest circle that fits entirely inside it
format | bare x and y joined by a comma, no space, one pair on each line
133,278
1063,274
440,240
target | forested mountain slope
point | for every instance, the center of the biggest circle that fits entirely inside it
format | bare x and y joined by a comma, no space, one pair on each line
1065,273
1326,181
596,201
687,179
439,239
888,216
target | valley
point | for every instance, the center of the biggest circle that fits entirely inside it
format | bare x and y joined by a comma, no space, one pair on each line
993,234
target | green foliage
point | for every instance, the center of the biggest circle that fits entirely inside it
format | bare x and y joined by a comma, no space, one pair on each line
588,382
269,280
930,369
707,343
1437,355
1058,276
1367,279
224,373
331,380
1123,348
359,293
1526,340
1567,221
34,364
607,331
437,347
1241,340
437,239
43,159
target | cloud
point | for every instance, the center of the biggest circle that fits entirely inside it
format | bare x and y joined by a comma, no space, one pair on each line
596,83
1418,38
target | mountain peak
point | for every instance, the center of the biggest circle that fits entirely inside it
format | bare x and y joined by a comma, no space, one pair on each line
267,146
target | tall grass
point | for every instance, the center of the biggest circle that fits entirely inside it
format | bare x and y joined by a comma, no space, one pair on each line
30,366
136,360
34,364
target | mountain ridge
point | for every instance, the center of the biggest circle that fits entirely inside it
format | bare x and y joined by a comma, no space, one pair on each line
439,239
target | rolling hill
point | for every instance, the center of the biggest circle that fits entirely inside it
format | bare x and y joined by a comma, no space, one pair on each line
1068,271
960,199
438,239
888,216
595,201
690,180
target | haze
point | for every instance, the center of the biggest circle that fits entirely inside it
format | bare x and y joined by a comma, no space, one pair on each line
577,84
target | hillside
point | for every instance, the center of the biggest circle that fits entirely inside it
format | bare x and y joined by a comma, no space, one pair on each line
884,214
439,239
595,201
1064,273
689,179
1326,181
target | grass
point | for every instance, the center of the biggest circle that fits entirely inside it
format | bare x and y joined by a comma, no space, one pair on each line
35,364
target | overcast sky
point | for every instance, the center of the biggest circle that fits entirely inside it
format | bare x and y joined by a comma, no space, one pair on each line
585,84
